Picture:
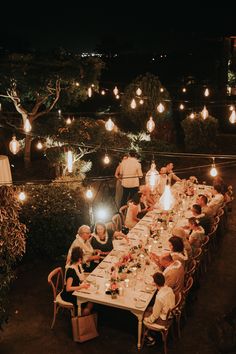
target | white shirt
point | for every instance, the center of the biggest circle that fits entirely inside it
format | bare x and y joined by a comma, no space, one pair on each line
131,171
84,245
165,300
216,202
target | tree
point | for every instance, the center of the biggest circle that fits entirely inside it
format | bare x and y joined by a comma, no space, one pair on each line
34,84
153,93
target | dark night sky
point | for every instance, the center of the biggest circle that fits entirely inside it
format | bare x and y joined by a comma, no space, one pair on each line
80,26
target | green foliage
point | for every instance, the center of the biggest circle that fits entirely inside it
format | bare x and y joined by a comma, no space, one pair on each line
137,118
52,214
12,244
200,134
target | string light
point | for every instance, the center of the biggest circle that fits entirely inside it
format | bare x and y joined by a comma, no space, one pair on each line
184,90
27,126
89,193
39,145
161,89
133,104
206,92
14,145
69,161
68,121
232,117
192,115
150,125
106,159
103,92
160,108
138,92
141,101
90,92
109,125
77,84
181,106
231,107
213,171
22,196
115,91
117,97
204,113
59,113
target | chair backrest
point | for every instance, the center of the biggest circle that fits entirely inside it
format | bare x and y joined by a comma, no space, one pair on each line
188,286
123,212
191,268
197,254
117,221
55,279
171,313
205,242
220,212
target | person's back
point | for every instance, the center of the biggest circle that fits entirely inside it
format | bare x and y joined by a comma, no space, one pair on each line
130,170
174,275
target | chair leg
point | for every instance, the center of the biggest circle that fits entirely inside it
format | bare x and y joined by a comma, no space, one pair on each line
164,338
55,309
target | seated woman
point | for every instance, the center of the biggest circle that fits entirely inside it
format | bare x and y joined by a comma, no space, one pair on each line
74,281
177,250
196,234
134,208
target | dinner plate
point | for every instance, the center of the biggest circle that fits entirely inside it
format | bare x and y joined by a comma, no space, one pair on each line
139,304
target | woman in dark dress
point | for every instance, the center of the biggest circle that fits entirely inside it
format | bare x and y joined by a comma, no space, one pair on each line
102,239
74,280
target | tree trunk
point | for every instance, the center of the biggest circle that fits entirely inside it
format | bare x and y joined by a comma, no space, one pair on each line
27,155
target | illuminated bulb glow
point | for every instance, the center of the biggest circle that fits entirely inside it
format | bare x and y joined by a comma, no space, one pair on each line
133,104
181,106
206,92
192,115
109,125
103,92
117,97
152,176
161,89
68,121
90,92
184,89
231,108
59,112
150,125
232,117
27,126
167,200
14,145
70,161
106,159
89,193
115,91
101,214
22,196
141,101
77,84
39,145
204,113
160,108
213,171
138,92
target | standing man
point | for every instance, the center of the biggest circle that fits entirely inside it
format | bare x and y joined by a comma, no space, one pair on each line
131,172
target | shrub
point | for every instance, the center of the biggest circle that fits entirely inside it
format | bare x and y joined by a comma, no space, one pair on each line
200,134
12,244
52,214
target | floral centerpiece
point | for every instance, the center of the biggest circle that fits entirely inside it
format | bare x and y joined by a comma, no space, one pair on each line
113,289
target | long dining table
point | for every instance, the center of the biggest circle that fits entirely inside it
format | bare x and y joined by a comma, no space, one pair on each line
136,288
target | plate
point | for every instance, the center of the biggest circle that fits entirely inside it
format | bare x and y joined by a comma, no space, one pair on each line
139,304
103,266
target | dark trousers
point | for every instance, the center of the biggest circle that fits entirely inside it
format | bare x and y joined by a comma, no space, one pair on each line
128,194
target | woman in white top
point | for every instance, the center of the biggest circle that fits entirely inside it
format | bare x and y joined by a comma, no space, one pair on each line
196,235
134,208
177,250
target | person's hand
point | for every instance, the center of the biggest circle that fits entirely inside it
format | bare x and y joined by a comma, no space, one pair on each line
84,286
96,258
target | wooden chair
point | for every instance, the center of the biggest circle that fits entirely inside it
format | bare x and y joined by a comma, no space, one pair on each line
56,280
190,270
205,251
123,211
182,306
197,257
164,326
117,221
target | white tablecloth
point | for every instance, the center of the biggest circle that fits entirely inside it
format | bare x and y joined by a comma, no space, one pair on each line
5,170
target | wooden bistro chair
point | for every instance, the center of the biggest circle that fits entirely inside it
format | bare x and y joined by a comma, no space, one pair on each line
117,221
56,280
163,326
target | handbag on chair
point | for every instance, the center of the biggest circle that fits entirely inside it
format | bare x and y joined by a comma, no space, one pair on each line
84,327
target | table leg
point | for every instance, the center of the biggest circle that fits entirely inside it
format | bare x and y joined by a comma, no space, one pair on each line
140,325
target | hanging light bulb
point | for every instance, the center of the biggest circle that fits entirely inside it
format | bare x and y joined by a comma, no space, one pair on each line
39,145
213,171
133,104
232,117
77,84
115,91
152,176
231,107
59,113
192,115
181,106
27,126
68,121
141,101
117,97
167,200
103,92
150,125
160,108
161,89
206,92
14,145
89,193
22,196
90,91
204,113
184,89
109,125
138,92
70,161
106,159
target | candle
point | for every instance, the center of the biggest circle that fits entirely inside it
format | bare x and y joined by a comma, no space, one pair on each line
126,281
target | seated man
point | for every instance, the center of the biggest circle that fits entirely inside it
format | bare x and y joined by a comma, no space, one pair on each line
217,199
171,176
82,240
172,270
165,301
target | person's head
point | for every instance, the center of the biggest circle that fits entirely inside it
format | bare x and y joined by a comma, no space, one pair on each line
176,244
179,232
193,223
162,171
132,153
76,255
100,229
196,209
136,198
202,200
159,279
165,260
218,188
217,180
84,232
169,166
